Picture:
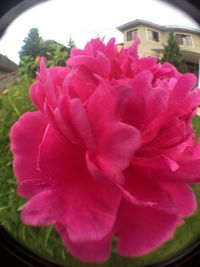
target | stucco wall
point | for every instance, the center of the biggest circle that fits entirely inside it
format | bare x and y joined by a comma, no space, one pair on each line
146,46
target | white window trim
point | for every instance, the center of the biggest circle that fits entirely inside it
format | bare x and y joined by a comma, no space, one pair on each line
133,29
185,33
154,30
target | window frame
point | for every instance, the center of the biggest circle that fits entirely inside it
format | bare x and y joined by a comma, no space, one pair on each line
153,30
186,34
132,30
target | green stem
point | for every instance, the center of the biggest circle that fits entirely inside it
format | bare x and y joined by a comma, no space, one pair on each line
3,208
13,106
48,233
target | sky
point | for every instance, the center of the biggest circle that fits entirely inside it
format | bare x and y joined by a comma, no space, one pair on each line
86,19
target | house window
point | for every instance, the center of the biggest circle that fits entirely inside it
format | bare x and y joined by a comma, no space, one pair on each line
183,39
130,34
153,35
192,67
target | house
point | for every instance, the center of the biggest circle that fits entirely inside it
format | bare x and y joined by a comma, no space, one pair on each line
154,37
6,65
8,72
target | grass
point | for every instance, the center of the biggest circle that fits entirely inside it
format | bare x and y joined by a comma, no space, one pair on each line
45,242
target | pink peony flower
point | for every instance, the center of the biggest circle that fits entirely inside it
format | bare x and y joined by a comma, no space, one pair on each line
110,151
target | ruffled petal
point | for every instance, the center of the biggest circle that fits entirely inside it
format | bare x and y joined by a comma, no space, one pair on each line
183,196
124,192
188,172
141,230
37,95
146,63
43,209
183,86
95,251
81,124
116,141
88,216
145,190
96,65
30,187
117,148
26,135
48,85
156,162
79,84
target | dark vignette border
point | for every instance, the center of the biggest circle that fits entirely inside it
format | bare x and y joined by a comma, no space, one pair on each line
13,254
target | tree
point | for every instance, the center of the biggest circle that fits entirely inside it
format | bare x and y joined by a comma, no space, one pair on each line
54,53
70,45
172,53
32,44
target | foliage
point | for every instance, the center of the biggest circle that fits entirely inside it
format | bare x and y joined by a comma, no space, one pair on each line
55,53
70,45
44,241
35,46
172,53
27,69
31,45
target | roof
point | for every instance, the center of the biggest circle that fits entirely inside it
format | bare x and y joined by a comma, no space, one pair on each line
6,64
137,22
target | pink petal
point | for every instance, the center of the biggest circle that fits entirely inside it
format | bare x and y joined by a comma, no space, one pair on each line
58,75
136,105
65,165
182,87
30,187
100,175
26,135
183,196
37,95
50,116
188,172
88,251
89,216
50,92
94,46
145,106
48,85
96,65
43,209
81,123
117,148
43,70
62,118
146,190
156,162
146,63
111,49
116,141
168,138
79,83
141,230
